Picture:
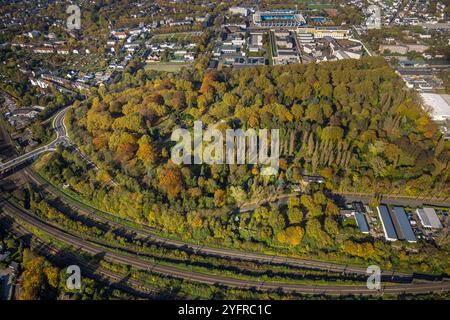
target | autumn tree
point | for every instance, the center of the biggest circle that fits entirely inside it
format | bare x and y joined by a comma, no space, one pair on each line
40,279
219,197
170,180
146,152
291,236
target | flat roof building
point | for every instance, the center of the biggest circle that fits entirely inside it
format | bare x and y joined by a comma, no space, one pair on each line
305,38
361,222
256,39
278,18
387,224
438,106
239,10
429,218
322,32
403,227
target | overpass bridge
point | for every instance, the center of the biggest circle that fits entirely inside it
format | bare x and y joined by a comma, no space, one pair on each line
61,139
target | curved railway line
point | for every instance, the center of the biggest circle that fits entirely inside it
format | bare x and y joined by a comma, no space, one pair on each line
150,235
104,275
112,256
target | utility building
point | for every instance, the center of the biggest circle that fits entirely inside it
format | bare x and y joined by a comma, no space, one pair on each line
429,218
402,225
361,222
386,222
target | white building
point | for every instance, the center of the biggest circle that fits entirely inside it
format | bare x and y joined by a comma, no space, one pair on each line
240,10
437,105
429,218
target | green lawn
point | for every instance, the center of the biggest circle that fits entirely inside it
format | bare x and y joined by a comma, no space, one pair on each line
175,36
165,66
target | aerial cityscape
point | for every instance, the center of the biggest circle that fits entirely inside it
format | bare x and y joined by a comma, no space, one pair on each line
225,150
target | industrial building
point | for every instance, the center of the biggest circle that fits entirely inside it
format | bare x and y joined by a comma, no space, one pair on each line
387,224
438,106
429,218
402,225
361,222
278,18
396,225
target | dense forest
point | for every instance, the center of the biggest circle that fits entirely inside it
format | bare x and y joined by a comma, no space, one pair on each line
352,122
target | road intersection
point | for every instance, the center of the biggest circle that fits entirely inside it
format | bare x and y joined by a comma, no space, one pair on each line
61,139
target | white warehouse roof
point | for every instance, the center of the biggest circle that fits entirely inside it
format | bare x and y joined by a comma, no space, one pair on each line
439,107
429,218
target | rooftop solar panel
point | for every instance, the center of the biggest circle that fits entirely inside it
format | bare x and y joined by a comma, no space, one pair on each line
386,222
404,224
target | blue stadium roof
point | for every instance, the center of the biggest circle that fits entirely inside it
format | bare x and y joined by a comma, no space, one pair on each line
386,222
361,222
405,226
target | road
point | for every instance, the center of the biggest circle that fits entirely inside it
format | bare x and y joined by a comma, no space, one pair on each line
61,138
398,200
115,257
431,26
348,197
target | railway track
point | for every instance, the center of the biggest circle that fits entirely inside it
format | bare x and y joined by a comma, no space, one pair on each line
112,256
63,259
149,234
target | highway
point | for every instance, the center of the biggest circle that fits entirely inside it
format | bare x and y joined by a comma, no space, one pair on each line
115,257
